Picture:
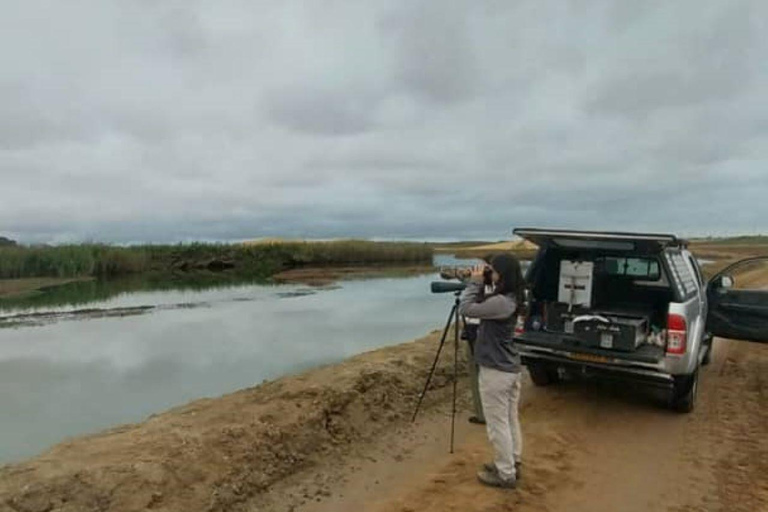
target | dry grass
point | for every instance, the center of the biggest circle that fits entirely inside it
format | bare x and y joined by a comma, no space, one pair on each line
727,251
521,248
513,246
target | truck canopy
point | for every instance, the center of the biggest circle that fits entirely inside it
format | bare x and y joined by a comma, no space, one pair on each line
599,240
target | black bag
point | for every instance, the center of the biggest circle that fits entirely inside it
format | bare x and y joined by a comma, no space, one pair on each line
469,332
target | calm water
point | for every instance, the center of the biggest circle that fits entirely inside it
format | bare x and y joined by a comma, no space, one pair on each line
67,374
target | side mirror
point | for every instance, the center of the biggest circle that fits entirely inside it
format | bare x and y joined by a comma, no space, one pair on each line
726,282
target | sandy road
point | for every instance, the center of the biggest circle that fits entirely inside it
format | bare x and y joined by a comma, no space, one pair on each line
589,447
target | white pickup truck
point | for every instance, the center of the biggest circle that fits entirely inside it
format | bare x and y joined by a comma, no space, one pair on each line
629,306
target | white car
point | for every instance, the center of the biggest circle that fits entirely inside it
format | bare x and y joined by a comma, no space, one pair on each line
629,306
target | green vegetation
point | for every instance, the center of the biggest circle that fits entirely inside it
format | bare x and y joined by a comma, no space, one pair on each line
70,261
247,260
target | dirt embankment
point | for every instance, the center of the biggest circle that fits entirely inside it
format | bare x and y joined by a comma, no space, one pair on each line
226,453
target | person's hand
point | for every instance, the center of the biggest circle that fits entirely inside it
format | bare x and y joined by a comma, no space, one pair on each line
477,273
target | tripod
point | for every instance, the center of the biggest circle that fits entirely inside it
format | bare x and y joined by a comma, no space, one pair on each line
453,317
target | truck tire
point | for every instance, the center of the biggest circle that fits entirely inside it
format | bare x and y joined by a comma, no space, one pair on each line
542,374
684,392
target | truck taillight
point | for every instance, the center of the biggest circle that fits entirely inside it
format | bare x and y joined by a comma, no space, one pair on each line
677,334
520,325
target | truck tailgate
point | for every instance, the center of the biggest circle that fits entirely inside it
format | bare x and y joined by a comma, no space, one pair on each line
644,354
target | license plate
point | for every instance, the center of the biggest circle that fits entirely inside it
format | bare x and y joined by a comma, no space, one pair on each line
606,340
590,358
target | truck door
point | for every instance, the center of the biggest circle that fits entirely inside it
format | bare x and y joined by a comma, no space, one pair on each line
738,301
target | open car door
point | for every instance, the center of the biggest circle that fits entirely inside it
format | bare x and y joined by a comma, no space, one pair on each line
739,310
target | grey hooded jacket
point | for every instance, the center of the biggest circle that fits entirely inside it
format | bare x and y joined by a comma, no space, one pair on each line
494,347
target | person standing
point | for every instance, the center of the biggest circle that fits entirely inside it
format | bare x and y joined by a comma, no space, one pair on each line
499,362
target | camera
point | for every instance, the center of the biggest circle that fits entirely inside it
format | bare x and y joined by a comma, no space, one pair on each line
462,274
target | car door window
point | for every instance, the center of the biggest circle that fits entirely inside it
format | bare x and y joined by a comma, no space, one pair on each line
738,301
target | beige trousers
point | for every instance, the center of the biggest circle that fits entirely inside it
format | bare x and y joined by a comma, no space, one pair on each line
500,393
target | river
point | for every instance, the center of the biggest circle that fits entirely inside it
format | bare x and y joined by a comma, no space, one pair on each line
65,372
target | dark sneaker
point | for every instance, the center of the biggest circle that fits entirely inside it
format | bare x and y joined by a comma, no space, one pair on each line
491,468
477,421
493,479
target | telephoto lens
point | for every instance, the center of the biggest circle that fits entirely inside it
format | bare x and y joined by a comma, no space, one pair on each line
443,287
455,273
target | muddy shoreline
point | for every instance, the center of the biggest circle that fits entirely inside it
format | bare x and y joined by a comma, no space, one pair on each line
24,287
324,276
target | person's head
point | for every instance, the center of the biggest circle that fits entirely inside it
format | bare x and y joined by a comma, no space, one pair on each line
507,276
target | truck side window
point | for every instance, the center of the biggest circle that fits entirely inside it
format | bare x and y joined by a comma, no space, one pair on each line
696,270
683,277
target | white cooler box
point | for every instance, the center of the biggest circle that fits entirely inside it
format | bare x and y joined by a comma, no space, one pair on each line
575,287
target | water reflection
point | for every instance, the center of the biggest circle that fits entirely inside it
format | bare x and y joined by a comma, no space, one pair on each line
89,292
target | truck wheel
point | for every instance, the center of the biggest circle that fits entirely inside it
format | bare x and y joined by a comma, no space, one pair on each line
542,374
684,392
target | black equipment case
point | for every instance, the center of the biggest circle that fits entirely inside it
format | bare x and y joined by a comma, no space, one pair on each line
617,333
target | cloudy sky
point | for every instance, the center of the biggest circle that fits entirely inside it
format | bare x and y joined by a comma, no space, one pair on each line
151,120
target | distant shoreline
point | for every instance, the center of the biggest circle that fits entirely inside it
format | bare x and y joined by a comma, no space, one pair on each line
27,270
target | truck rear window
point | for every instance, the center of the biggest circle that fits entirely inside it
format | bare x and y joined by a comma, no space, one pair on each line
642,269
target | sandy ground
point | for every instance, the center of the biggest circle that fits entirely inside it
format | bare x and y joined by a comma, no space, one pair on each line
589,447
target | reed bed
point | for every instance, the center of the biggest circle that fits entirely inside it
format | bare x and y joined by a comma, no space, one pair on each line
98,260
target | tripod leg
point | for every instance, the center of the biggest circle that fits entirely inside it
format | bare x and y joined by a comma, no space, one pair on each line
455,374
454,311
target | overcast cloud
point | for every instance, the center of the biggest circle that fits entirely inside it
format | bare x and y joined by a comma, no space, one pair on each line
144,120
